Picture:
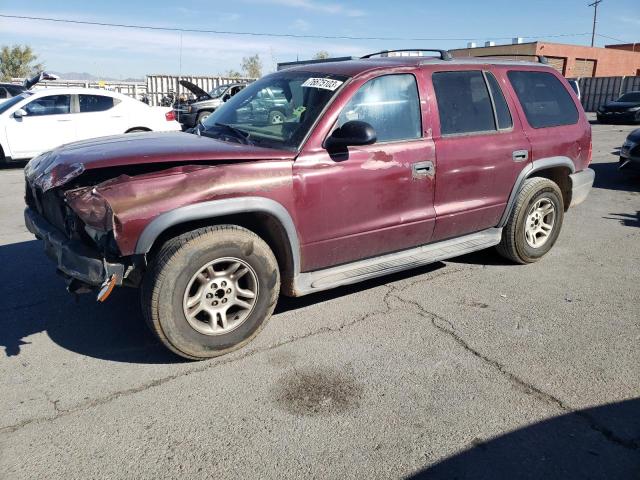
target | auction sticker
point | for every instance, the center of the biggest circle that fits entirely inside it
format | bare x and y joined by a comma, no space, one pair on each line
324,83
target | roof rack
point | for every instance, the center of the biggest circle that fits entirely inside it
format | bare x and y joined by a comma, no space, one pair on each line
444,54
540,58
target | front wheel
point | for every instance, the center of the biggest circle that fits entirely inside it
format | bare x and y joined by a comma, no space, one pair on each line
210,291
276,117
534,223
202,116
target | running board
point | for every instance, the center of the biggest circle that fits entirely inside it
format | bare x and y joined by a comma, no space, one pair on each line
360,270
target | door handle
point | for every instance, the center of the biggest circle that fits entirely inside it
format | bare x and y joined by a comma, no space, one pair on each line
423,170
520,155
64,119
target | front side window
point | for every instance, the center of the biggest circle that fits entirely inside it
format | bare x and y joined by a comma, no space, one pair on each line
49,105
390,104
545,101
464,104
96,103
276,111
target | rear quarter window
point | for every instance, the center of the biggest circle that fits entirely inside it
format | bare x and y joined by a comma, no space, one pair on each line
544,99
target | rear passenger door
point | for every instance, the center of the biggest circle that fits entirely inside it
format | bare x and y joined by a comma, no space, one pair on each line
98,117
480,150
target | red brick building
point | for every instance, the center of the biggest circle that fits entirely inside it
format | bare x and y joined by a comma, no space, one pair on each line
571,60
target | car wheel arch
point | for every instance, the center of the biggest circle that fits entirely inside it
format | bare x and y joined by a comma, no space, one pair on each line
266,218
556,169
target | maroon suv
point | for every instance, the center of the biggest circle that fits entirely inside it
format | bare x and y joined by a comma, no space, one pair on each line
382,164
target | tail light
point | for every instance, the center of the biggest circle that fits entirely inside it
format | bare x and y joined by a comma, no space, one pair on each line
170,116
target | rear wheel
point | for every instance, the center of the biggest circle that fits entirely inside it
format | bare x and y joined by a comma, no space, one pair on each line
535,222
210,291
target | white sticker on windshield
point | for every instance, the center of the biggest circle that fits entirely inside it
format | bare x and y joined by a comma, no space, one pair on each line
324,83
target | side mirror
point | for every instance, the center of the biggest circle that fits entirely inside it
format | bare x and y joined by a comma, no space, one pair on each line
19,113
354,133
226,97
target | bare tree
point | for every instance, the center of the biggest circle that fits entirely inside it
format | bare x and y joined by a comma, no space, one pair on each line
233,74
321,55
252,66
18,61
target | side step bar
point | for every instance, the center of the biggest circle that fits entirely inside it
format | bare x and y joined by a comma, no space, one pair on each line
360,270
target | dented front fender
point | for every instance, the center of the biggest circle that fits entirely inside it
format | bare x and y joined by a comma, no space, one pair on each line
126,204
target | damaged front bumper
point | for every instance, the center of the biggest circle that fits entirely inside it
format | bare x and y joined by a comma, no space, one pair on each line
73,258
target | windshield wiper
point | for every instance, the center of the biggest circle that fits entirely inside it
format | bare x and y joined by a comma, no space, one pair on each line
239,134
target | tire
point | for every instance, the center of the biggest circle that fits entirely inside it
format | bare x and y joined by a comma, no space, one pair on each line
276,117
137,130
202,116
177,277
538,195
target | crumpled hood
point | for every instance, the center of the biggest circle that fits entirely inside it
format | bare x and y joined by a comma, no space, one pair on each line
57,167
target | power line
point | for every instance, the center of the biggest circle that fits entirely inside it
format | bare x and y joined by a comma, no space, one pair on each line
612,38
264,34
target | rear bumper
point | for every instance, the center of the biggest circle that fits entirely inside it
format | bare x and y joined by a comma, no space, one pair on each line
581,183
73,258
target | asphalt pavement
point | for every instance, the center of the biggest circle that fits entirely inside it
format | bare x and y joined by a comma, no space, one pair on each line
469,368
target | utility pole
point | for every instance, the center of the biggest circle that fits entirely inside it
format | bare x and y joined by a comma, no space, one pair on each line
595,20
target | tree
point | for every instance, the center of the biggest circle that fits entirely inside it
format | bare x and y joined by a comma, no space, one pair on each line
321,55
18,62
233,74
252,66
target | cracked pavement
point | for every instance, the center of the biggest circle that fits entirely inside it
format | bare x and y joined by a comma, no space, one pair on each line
470,368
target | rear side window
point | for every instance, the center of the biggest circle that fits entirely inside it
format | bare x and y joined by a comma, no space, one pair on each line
503,115
96,103
545,101
390,104
463,102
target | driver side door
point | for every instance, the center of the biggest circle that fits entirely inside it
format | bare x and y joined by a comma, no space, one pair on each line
47,124
374,199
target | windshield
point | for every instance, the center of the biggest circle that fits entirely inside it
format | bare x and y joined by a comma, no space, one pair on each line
7,104
277,111
218,91
630,97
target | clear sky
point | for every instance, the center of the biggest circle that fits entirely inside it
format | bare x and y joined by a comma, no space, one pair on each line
120,52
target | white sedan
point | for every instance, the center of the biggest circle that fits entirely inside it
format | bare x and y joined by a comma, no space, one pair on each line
40,120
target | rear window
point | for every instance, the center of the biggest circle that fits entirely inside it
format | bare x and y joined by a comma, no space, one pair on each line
545,101
96,103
